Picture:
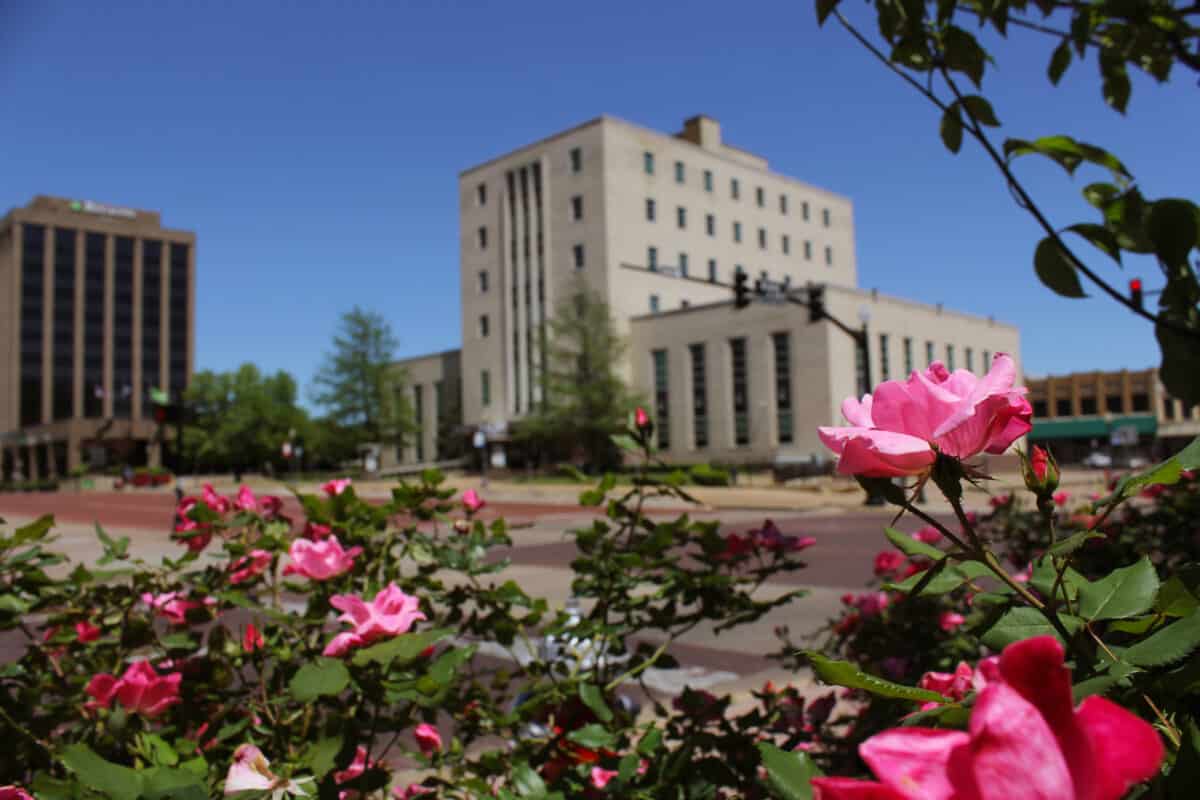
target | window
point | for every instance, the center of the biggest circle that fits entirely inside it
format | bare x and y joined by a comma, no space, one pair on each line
737,231
710,224
950,357
785,244
419,418
928,353
1087,406
681,217
908,355
653,304
735,190
760,197
576,160
861,378
1062,408
481,194
807,250
685,303
804,210
650,210
485,388
969,354
679,172
825,217
699,396
482,237
741,398
577,254
987,360
652,257
783,207
712,270
1039,408
828,256
648,162
484,326
708,180
1141,401
577,207
483,281
762,238
1112,404
783,386
662,405
683,264
63,335
33,311
885,367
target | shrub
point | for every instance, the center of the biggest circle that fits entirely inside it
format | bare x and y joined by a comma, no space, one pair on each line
706,475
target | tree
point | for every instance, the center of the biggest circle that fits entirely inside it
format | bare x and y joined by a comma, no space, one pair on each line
240,419
584,399
925,45
358,383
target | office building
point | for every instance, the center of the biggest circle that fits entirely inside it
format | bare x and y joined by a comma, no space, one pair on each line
585,204
96,311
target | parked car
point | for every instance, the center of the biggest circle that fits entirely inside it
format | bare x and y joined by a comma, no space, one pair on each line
1098,460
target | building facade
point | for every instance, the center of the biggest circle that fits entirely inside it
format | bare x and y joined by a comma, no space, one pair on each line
1126,411
627,211
97,310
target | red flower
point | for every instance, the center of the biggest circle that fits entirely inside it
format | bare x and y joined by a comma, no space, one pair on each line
252,638
640,417
86,632
141,690
888,562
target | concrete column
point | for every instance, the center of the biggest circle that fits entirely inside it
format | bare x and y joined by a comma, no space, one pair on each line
74,451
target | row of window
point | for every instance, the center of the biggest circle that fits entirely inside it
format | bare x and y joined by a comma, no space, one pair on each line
710,228
950,357
1089,406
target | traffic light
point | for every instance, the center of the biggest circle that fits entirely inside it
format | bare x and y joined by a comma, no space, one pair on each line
741,292
1135,291
816,302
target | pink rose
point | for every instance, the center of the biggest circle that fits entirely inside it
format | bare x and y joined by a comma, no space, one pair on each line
246,501
888,562
471,501
316,531
14,793
357,767
769,537
320,561
390,614
601,776
952,685
335,486
249,566
141,690
928,535
86,632
871,604
252,639
950,620
1000,500
251,772
428,738
213,500
1061,498
1025,739
893,432
640,418
174,605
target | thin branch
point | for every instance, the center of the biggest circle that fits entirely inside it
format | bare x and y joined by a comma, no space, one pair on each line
883,59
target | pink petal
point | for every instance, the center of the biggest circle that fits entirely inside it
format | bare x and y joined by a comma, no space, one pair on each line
1126,749
1014,753
858,412
852,789
1034,668
877,453
913,761
341,644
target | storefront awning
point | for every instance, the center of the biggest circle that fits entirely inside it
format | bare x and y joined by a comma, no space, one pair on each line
1091,427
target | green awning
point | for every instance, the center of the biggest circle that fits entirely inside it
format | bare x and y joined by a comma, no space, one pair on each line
1091,427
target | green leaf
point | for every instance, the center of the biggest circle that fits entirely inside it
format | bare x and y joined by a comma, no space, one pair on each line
1116,88
527,782
403,648
1166,472
320,678
114,780
910,546
626,443
34,531
963,53
1122,593
591,498
1100,237
1059,61
1172,227
1101,684
1073,542
824,9
161,751
979,108
593,698
843,673
1100,195
952,130
950,579
1168,645
321,755
790,774
1055,271
1022,623
1067,153
592,736
1175,598
164,783
650,743
1045,576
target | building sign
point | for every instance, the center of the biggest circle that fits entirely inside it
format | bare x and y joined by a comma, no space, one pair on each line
91,207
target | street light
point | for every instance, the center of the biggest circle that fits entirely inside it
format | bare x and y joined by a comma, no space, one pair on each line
864,342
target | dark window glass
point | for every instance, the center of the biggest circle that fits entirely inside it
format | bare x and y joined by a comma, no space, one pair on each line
1087,405
708,180
679,172
741,398
970,356
710,225
1040,409
649,210
576,159
928,353
151,321
33,312
908,356
179,317
683,265
1141,401
485,388
1062,408
712,270
577,207
783,385
699,395
419,417
122,386
681,217
1112,404
662,408
885,364
64,323
94,290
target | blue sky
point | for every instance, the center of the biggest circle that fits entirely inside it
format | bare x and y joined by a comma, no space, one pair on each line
314,148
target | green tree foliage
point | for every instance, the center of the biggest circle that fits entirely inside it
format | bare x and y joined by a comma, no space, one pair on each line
358,384
240,419
584,398
929,45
